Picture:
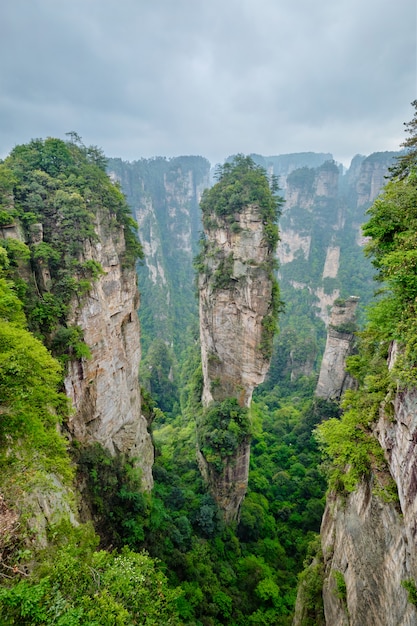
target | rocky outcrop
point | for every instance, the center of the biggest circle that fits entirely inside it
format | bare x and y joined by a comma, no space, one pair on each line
235,297
105,388
366,555
333,378
373,176
236,318
164,195
369,541
398,438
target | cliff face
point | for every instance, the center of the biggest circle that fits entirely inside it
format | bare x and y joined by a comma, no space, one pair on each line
372,542
235,297
164,196
366,544
105,388
320,235
320,229
238,302
333,378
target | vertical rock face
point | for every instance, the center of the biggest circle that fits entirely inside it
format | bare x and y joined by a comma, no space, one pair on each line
334,379
164,196
372,177
370,543
235,297
366,545
105,389
320,229
237,307
398,438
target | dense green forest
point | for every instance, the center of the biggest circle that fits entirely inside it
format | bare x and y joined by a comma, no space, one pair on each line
167,557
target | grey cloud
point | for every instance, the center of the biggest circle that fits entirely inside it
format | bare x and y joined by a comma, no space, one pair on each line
213,78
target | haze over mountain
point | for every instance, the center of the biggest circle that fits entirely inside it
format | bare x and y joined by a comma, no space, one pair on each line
141,79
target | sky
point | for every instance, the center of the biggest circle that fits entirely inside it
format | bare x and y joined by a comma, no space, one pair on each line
143,78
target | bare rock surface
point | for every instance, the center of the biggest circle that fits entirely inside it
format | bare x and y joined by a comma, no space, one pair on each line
105,389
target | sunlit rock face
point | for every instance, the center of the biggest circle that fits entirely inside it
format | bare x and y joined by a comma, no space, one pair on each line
235,297
105,388
333,378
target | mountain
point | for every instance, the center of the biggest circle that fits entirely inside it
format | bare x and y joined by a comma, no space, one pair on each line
164,196
239,304
320,250
85,489
364,572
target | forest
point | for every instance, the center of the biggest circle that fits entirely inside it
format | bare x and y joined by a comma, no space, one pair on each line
128,556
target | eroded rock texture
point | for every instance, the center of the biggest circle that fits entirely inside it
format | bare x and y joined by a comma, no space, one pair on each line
333,378
235,300
370,542
235,296
105,389
365,541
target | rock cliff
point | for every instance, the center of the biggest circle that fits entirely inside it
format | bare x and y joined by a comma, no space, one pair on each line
320,229
164,195
105,389
237,311
235,297
368,553
370,541
81,294
368,558
333,378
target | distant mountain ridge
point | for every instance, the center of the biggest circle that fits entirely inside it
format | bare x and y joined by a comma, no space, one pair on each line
320,251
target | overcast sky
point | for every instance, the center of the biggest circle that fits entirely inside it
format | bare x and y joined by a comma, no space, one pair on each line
142,78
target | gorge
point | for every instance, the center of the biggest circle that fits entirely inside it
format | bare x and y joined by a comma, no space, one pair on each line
225,532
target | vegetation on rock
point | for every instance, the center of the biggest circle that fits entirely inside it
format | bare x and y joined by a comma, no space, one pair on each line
56,192
350,444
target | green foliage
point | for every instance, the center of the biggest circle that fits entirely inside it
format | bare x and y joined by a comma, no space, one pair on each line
77,586
221,429
345,328
59,192
310,588
408,160
68,344
223,275
341,591
348,442
303,177
158,370
392,228
352,448
410,586
31,405
11,308
115,495
240,183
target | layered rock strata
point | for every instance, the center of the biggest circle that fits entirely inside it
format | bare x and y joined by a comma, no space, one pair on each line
235,300
369,543
105,388
333,378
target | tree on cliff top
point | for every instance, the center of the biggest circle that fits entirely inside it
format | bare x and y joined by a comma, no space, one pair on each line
57,190
240,183
408,160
